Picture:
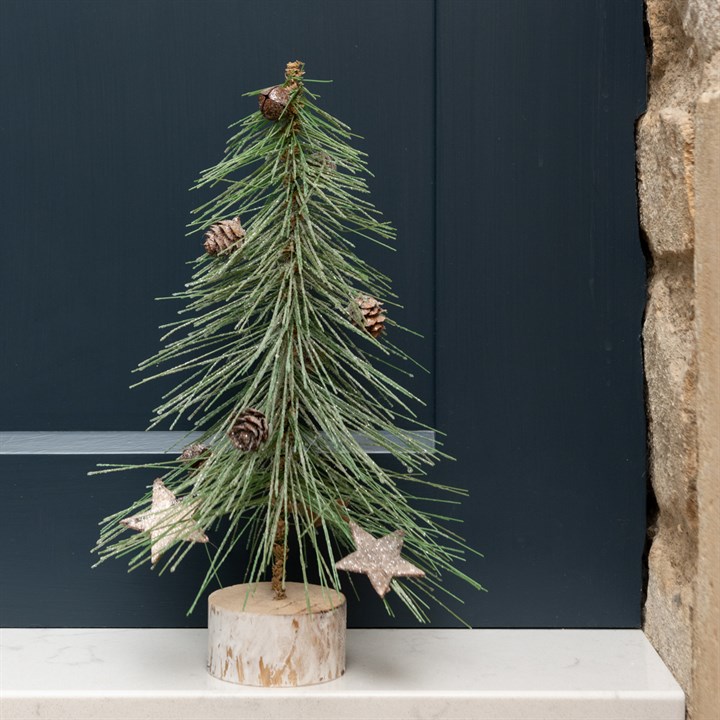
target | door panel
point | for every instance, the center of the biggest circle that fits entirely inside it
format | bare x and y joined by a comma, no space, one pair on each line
110,111
501,135
539,300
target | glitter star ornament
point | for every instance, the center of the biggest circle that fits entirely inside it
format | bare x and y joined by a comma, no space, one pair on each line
378,558
168,521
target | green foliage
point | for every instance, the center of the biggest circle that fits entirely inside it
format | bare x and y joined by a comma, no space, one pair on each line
274,326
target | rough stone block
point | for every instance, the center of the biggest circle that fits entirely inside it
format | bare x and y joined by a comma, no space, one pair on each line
668,613
665,166
701,22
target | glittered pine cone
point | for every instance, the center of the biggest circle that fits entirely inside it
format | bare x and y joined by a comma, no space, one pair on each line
322,161
273,101
195,454
249,431
224,236
372,314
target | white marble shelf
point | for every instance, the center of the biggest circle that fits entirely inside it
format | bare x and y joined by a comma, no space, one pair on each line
450,674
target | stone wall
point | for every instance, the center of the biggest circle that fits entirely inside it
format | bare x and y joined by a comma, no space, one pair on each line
679,188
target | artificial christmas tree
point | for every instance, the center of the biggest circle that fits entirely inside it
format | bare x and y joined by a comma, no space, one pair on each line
281,357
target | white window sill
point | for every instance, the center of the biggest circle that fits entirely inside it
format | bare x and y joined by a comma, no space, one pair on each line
448,674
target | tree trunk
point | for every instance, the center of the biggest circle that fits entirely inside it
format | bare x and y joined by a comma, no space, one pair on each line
255,639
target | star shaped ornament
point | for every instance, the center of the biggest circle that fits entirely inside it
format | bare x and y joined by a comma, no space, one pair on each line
379,559
168,520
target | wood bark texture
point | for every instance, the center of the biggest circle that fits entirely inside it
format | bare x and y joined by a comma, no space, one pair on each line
254,639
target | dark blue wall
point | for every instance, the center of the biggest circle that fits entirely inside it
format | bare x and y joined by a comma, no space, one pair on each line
501,134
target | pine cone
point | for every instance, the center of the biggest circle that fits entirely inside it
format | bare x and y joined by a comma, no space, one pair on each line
249,430
273,101
197,454
321,160
226,235
371,310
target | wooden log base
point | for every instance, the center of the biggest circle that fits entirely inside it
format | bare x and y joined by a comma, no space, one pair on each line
254,639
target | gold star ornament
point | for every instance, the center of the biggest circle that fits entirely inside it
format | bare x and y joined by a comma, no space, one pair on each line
379,559
168,520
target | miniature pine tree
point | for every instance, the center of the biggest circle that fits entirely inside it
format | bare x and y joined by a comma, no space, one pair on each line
280,349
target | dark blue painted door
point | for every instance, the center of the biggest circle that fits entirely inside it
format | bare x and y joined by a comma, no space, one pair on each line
501,135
